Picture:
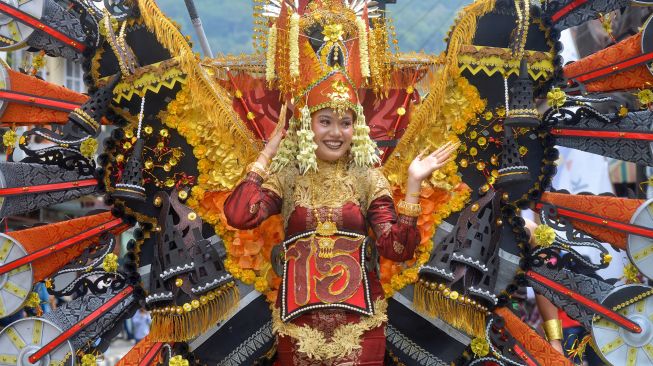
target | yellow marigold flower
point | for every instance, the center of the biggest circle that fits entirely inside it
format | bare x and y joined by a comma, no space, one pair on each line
411,275
480,347
387,289
198,192
424,257
88,147
544,235
33,300
200,151
606,258
89,360
261,285
631,274
38,61
396,283
623,111
178,361
556,98
110,262
248,276
645,96
9,138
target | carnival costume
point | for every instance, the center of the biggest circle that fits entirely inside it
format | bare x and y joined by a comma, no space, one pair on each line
253,265
330,300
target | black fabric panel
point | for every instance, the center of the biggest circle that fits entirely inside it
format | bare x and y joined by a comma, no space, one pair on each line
235,334
422,334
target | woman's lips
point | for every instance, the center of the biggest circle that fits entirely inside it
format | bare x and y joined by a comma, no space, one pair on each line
334,145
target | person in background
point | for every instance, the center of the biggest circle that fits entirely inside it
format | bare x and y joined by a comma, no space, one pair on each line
44,296
141,324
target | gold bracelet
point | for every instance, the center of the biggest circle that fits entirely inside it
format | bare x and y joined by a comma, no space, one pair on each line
416,195
409,209
553,329
259,169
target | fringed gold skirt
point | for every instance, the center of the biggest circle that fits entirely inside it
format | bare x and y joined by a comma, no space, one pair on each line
458,311
181,323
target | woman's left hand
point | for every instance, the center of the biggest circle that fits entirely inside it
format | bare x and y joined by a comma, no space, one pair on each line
424,165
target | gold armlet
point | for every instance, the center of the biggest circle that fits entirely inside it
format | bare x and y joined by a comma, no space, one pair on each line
259,169
553,329
409,209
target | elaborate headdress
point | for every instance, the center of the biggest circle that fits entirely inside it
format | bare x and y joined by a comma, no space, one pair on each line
330,38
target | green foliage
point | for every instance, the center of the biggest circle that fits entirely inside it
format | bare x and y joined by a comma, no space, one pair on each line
420,24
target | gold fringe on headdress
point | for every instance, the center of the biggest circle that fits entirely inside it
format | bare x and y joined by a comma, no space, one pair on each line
379,55
214,100
427,112
456,310
181,323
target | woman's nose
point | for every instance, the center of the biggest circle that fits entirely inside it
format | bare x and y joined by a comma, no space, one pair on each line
336,130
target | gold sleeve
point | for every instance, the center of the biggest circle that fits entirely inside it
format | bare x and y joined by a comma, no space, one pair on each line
274,184
379,185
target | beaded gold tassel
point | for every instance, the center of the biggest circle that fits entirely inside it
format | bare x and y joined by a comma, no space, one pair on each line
460,312
181,323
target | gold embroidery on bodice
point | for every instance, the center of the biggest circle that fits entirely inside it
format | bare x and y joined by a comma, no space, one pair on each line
332,186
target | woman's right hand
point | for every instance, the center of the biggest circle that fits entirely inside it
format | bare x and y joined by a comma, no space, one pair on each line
272,146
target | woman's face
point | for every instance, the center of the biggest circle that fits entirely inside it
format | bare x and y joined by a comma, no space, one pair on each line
333,133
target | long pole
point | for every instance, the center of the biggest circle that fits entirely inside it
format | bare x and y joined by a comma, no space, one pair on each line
199,29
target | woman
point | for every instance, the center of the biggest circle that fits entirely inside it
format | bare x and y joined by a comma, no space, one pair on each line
331,309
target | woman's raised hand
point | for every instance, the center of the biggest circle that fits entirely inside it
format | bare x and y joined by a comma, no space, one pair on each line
424,165
272,146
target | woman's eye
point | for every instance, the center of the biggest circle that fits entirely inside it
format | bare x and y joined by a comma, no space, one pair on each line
325,122
346,124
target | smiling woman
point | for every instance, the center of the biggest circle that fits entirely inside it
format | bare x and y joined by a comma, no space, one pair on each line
333,133
322,176
324,182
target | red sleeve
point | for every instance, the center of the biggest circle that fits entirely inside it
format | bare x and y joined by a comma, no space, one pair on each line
250,204
396,236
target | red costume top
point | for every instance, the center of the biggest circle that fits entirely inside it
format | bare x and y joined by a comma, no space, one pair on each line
355,199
